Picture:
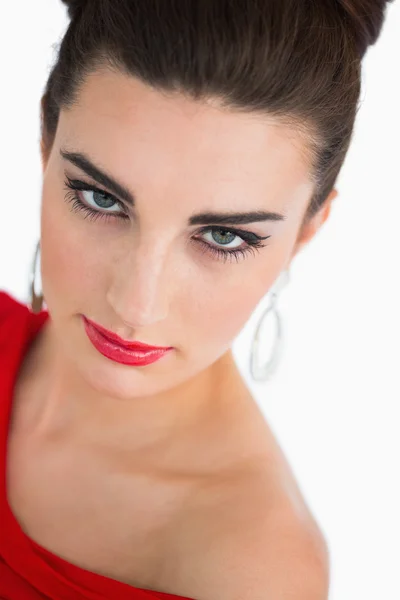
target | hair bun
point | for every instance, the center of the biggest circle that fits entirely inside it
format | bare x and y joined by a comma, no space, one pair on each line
366,18
74,7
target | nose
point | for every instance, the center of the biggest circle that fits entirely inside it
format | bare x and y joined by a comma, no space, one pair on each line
140,288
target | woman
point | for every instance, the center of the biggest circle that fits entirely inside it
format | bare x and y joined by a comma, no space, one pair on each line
190,150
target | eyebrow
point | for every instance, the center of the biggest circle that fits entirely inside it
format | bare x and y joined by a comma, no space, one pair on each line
82,161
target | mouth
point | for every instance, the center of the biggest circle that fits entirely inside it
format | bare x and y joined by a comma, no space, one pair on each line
116,339
119,350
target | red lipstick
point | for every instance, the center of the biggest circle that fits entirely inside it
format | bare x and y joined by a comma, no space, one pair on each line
114,347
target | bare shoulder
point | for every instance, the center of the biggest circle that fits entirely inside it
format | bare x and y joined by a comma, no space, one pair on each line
252,535
252,548
273,556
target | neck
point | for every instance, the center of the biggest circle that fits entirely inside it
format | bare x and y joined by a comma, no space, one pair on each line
64,403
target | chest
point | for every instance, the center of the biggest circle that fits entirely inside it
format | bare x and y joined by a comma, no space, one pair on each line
103,519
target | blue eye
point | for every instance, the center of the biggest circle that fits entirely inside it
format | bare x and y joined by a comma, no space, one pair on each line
96,207
230,249
222,242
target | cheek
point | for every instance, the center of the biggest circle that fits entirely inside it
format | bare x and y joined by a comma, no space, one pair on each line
219,316
65,253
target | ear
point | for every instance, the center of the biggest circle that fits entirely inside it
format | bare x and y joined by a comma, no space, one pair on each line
44,139
43,155
308,230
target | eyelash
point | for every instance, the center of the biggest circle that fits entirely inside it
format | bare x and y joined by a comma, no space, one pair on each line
73,186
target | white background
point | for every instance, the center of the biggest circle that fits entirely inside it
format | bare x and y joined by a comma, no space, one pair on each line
334,401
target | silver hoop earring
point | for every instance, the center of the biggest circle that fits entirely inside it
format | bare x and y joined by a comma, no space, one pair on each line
36,299
264,372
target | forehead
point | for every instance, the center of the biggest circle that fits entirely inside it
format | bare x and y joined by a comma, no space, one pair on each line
137,131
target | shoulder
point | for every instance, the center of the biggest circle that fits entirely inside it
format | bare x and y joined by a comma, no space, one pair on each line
9,306
248,533
257,539
276,557
278,551
11,310
262,554
7,303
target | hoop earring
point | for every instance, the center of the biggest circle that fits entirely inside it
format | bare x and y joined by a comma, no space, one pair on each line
36,300
264,372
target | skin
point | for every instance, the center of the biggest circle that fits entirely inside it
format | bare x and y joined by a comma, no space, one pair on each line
182,439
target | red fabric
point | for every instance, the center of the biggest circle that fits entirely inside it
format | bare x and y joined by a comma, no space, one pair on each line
27,570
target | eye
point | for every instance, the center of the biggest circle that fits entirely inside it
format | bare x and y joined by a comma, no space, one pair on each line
229,244
227,238
223,243
93,202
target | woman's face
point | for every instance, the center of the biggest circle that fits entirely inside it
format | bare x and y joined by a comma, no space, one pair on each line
153,270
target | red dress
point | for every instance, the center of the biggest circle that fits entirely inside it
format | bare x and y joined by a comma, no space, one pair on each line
27,570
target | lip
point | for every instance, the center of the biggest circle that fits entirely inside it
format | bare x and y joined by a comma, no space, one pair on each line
139,346
115,348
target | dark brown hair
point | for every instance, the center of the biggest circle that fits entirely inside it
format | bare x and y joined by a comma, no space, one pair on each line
298,61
